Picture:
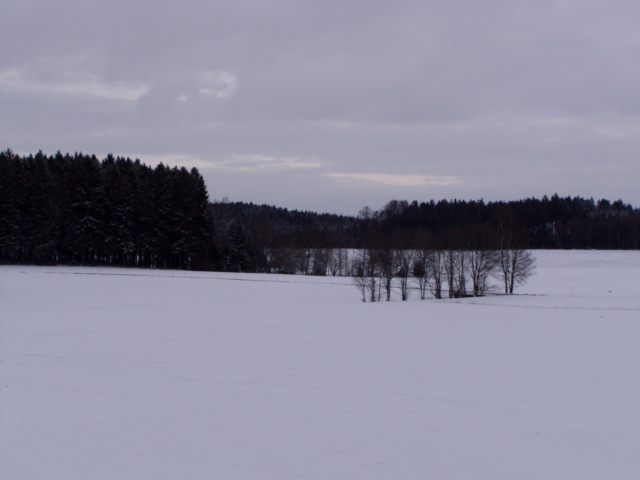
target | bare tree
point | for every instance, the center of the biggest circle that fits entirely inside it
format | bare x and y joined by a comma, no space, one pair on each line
386,259
332,262
340,262
481,264
365,275
305,259
420,272
404,262
321,261
374,284
461,273
436,271
450,270
359,276
516,266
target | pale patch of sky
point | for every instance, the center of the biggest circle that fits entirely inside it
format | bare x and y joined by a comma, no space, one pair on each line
217,84
255,163
403,180
77,83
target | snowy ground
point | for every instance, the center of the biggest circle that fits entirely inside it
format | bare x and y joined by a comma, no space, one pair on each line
134,374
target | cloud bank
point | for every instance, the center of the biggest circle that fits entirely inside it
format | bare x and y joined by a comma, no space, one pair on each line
358,101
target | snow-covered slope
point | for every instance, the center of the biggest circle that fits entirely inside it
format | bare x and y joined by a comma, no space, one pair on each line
133,374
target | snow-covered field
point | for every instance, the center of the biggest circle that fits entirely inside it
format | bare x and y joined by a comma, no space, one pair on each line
134,374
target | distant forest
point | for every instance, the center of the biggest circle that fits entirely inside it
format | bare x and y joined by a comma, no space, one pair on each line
79,210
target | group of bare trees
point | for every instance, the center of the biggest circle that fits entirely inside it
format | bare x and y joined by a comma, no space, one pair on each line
459,262
308,261
441,273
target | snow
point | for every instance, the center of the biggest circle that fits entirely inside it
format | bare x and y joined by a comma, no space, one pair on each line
146,374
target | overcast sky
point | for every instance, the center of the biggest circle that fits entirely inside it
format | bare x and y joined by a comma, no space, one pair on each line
331,105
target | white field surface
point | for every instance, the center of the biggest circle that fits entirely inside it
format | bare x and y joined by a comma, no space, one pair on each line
144,374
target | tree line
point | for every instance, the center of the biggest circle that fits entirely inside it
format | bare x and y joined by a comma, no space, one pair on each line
546,223
79,210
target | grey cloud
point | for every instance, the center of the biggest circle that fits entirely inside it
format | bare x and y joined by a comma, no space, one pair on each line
486,92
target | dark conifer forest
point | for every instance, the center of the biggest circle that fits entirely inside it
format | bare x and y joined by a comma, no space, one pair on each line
80,210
